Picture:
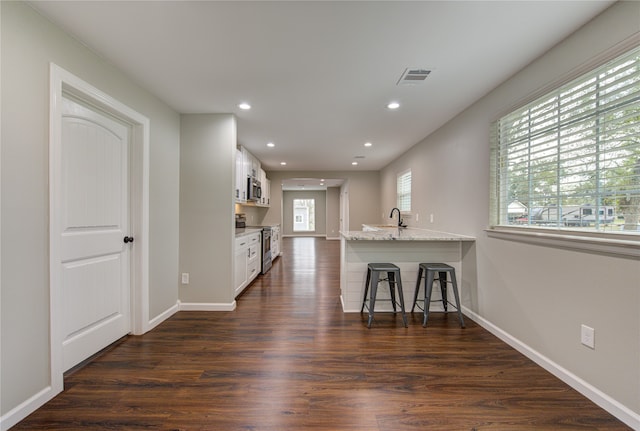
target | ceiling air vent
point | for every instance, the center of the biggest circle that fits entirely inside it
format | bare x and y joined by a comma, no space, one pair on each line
413,76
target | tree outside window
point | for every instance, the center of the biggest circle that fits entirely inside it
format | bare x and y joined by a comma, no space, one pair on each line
572,157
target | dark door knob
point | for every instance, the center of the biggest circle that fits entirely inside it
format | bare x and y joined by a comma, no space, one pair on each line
128,239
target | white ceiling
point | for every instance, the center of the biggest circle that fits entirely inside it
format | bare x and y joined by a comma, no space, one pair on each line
320,74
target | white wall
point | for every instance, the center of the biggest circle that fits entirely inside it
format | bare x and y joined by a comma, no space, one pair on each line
364,190
28,44
333,213
207,204
320,215
538,295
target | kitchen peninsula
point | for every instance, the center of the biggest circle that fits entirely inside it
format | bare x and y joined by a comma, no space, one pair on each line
405,247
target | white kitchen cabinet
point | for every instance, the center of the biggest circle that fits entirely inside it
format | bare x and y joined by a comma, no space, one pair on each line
266,191
241,179
275,242
240,265
251,164
265,199
253,265
247,260
248,166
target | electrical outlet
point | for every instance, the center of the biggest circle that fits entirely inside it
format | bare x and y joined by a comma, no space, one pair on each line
185,278
431,218
587,336
417,216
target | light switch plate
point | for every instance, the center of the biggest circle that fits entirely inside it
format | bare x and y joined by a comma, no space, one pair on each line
587,336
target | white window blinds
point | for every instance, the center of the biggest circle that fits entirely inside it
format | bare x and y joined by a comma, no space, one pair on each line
572,157
403,193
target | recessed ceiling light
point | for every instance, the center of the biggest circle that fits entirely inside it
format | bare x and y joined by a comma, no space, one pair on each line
393,105
354,163
283,163
244,106
368,144
271,144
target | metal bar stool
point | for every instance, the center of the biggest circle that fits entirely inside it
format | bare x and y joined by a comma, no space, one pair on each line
395,282
429,270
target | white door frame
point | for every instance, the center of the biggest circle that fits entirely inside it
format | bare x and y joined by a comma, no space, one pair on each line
61,82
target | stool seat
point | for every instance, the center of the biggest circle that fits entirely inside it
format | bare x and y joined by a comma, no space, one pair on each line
371,285
383,267
437,267
430,270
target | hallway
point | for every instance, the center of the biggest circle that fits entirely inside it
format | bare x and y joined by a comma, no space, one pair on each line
288,358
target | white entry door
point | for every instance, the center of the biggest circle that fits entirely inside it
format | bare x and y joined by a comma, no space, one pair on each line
94,208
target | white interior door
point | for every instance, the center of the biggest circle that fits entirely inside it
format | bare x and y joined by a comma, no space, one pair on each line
95,260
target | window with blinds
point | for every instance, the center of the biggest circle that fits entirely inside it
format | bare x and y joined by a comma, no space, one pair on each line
571,159
403,193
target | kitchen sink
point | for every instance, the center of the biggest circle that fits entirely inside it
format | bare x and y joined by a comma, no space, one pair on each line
374,227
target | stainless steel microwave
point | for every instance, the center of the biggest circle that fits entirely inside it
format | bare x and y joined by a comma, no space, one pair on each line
254,189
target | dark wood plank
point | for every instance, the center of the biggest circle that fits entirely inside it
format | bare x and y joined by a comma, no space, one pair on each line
289,359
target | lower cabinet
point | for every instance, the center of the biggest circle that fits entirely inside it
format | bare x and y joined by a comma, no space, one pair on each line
275,242
240,267
247,261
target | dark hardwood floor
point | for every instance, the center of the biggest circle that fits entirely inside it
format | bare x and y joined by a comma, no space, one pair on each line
289,359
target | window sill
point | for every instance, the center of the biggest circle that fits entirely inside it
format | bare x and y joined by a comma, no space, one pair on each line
611,244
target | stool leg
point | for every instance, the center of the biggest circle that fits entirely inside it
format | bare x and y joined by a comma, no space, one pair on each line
391,279
415,294
375,277
457,295
366,289
442,278
428,287
401,296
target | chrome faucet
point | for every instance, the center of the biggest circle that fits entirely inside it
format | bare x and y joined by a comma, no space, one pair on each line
399,219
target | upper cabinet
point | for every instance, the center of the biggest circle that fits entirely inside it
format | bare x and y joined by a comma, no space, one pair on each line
251,164
248,167
265,199
267,192
241,179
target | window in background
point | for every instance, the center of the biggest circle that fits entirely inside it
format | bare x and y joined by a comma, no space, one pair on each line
304,215
403,193
571,159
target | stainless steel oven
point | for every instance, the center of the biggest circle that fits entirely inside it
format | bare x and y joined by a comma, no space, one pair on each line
266,249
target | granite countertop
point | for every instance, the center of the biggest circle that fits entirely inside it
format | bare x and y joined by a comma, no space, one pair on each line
247,231
253,229
392,233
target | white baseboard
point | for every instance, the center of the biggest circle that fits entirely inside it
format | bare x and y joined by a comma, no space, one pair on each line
23,410
603,400
202,306
163,316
